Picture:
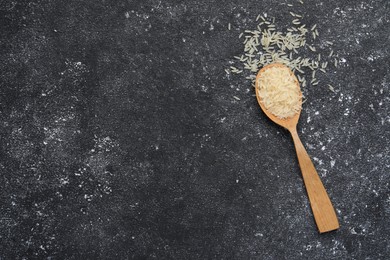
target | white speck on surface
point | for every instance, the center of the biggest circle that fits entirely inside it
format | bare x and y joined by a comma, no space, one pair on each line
88,197
332,163
320,162
353,232
64,181
346,112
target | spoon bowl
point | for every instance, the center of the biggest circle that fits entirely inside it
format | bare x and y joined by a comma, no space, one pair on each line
323,211
285,122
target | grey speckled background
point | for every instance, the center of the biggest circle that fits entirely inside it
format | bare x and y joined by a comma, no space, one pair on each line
121,139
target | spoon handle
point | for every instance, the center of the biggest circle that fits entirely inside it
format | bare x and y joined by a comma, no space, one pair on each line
321,205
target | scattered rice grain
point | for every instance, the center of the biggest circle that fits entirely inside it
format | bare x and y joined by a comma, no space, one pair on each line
296,21
311,48
264,46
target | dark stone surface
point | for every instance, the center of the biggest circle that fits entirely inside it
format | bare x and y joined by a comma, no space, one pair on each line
120,138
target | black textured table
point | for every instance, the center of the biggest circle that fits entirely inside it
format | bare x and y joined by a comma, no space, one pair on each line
122,136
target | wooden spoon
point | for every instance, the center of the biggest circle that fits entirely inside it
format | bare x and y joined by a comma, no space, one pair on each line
321,205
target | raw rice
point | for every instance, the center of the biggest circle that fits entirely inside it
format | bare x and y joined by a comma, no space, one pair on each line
267,45
279,92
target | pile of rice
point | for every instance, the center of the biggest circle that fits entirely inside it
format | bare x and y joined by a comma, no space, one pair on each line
279,92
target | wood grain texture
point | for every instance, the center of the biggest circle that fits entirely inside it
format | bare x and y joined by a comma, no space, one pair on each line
320,203
323,211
